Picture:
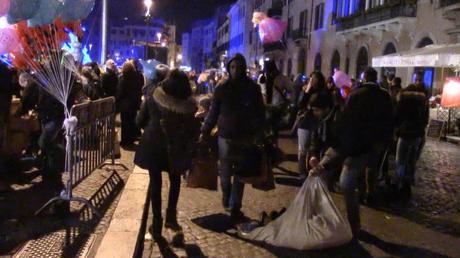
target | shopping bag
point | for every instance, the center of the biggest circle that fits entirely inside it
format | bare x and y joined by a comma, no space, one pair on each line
247,159
265,181
203,173
312,221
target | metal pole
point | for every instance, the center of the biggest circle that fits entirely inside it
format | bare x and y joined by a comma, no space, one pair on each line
104,31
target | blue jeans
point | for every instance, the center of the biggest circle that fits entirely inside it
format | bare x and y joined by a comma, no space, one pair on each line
406,158
51,144
352,171
232,192
303,138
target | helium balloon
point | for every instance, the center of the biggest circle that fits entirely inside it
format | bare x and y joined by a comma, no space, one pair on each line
49,10
271,30
9,40
22,10
76,9
4,7
341,79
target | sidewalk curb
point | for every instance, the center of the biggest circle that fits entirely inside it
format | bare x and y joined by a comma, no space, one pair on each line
123,236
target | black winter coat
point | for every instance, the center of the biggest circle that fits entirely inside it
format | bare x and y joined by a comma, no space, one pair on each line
129,93
109,82
367,120
412,113
237,108
153,153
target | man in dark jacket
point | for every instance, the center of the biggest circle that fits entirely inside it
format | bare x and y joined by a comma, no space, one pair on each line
412,115
238,110
365,127
51,117
109,79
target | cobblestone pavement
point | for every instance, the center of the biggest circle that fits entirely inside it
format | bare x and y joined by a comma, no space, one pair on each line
19,227
387,232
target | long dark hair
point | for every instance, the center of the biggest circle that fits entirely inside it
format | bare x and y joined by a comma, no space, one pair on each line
321,81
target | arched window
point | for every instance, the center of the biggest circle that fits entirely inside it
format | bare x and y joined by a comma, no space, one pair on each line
389,49
362,61
428,72
317,62
335,62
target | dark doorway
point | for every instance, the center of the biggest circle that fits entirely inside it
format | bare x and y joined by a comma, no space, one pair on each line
301,61
389,49
335,62
318,62
362,61
428,72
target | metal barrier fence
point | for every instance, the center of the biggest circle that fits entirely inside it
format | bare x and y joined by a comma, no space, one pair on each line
89,144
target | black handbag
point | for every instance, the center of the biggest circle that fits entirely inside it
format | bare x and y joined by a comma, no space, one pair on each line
246,159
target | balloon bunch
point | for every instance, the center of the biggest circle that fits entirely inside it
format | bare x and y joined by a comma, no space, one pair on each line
270,30
343,82
33,37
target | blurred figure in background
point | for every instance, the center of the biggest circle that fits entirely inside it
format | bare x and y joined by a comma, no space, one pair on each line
129,97
109,79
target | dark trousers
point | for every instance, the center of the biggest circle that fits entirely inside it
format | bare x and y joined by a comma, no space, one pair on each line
155,192
128,127
51,143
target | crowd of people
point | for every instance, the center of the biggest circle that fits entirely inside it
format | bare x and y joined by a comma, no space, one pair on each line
344,138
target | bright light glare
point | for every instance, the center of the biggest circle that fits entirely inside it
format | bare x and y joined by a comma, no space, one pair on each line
148,4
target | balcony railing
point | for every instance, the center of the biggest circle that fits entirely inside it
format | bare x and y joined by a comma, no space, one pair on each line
378,14
445,3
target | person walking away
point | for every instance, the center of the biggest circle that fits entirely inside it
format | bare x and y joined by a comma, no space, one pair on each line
129,94
365,126
308,122
238,110
412,115
170,132
109,79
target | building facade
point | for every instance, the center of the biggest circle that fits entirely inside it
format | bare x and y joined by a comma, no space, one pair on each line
129,41
186,49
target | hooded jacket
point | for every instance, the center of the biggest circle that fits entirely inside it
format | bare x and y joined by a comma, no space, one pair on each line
237,107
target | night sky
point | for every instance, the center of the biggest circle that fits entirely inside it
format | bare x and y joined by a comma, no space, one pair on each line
180,12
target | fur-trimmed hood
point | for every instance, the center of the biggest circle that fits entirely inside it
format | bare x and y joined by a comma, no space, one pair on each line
173,104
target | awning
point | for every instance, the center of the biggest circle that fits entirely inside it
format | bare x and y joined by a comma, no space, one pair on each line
443,55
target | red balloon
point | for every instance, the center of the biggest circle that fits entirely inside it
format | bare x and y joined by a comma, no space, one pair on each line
345,91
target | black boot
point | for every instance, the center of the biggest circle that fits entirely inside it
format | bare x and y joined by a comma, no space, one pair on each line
171,221
156,228
302,165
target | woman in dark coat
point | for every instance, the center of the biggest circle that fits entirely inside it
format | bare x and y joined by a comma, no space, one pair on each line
129,98
170,132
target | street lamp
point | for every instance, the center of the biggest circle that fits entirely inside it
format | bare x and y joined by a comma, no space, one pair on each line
148,4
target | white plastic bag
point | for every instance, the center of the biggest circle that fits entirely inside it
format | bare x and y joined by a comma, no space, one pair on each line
312,221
